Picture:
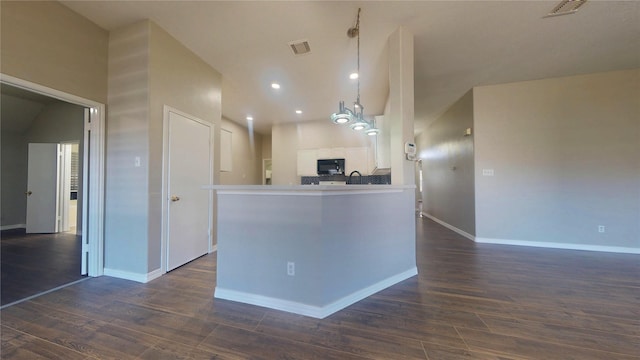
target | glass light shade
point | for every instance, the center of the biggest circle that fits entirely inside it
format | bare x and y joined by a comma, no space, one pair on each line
359,125
372,132
341,118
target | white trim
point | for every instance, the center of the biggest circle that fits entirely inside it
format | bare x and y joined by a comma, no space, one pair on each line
213,249
40,89
565,246
14,226
137,277
93,179
319,312
154,274
450,227
93,214
43,293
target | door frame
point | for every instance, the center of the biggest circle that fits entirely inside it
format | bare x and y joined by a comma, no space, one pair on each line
264,171
64,185
165,181
94,161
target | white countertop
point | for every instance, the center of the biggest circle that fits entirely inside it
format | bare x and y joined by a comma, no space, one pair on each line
306,189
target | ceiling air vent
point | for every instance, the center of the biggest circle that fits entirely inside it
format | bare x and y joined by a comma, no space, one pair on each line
300,47
566,7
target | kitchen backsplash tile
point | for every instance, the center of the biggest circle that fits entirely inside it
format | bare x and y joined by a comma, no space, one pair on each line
364,180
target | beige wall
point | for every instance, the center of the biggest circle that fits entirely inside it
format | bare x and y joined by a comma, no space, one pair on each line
13,179
46,43
246,156
148,69
16,116
400,113
126,200
180,79
565,157
448,166
266,146
287,139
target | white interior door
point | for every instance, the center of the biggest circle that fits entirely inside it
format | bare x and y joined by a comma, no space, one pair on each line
42,188
189,168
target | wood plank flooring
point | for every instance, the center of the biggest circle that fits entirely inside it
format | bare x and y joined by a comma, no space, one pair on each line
33,263
469,301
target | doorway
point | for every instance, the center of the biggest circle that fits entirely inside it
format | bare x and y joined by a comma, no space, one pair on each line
419,188
73,126
187,208
52,186
267,168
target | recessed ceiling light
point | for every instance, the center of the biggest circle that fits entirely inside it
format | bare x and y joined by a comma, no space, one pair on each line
353,76
275,85
249,118
298,112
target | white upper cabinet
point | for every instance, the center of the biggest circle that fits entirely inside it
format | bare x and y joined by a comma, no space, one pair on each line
308,162
382,148
331,153
356,159
324,153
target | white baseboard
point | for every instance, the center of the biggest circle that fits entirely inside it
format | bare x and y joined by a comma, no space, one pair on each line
450,227
550,245
137,277
368,291
214,248
318,312
154,274
566,246
14,226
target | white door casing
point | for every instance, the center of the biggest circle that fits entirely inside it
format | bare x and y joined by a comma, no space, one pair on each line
42,188
64,186
188,166
93,171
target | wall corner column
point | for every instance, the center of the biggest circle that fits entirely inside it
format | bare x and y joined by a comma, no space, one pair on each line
401,105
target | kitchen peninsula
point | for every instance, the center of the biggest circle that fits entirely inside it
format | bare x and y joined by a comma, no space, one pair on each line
312,249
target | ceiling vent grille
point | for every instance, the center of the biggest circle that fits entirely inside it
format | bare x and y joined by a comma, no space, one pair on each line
566,7
300,47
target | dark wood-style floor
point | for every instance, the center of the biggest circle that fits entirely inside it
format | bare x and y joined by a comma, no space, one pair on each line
33,263
471,301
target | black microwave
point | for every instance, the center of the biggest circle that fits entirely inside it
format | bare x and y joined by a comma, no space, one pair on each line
330,166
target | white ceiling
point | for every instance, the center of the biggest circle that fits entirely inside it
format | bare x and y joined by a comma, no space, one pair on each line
458,45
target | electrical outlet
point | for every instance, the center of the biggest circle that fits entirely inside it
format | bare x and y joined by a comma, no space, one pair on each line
291,268
600,228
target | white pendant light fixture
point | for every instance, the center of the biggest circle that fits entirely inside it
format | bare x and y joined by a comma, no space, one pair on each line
354,118
343,116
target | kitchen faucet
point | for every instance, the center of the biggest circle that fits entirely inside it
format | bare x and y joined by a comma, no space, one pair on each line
355,172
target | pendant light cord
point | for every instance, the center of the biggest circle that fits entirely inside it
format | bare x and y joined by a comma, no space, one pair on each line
358,32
